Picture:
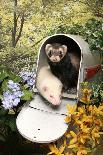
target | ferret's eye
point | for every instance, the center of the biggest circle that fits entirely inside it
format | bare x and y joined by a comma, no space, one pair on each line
60,54
50,53
51,96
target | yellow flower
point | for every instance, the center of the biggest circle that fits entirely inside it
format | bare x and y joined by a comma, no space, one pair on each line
68,119
73,134
99,122
101,107
82,152
87,119
79,114
86,91
95,132
54,150
68,135
98,110
86,95
68,153
81,110
85,129
83,137
90,108
85,99
73,141
73,146
78,122
71,109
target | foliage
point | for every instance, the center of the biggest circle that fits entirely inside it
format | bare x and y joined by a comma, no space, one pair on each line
92,93
96,7
24,24
15,90
92,32
87,125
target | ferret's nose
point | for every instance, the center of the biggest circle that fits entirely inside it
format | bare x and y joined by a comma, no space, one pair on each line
56,102
55,59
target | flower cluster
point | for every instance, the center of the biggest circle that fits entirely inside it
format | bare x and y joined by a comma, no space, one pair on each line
55,150
85,135
86,123
89,124
12,96
91,93
29,78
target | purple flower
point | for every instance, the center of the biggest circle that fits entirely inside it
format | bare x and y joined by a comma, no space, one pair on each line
16,101
29,78
7,100
5,94
13,86
18,93
6,104
11,98
30,82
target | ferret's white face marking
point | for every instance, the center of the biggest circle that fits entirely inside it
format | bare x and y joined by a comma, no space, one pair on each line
55,52
52,94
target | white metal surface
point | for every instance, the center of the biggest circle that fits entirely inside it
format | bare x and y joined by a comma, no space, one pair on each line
40,122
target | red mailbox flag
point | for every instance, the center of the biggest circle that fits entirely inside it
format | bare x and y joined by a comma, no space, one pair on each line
91,71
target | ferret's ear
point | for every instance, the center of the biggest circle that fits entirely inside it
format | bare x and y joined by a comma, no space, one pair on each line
64,48
47,47
45,88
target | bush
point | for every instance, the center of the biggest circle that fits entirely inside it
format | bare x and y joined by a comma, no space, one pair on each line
92,32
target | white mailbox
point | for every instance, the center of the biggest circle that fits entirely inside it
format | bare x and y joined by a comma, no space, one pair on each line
39,121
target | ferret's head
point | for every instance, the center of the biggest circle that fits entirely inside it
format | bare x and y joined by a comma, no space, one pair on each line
55,51
52,93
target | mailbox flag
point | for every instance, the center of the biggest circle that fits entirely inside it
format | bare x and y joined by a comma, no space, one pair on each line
91,71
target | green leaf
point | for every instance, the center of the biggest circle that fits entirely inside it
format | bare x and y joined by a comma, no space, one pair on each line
25,86
27,95
15,78
11,122
2,138
1,96
3,112
2,120
4,85
3,75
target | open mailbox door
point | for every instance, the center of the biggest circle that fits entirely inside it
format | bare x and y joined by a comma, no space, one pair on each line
39,121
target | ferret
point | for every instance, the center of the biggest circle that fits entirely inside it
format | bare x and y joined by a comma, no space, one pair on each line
63,64
49,86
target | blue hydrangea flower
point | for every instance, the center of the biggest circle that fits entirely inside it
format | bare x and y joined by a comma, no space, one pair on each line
16,101
30,82
13,86
6,104
29,78
18,94
11,98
